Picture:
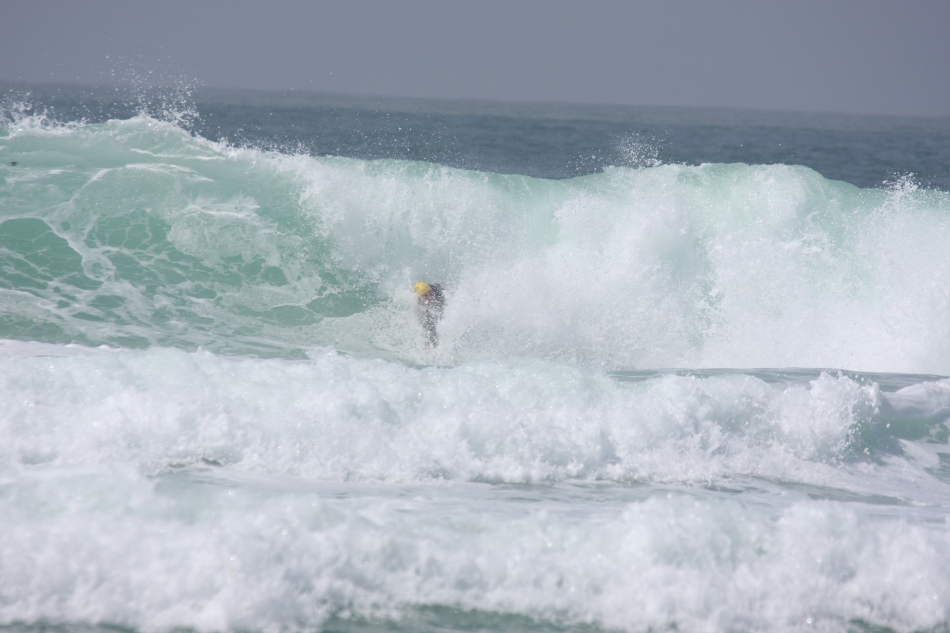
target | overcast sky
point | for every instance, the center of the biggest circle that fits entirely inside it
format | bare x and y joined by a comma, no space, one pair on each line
870,56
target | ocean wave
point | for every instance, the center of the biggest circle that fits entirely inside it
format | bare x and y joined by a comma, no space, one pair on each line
339,419
136,233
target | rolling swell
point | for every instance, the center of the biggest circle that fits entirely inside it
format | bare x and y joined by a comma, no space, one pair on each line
134,233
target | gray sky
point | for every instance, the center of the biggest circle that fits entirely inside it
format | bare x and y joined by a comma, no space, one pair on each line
873,56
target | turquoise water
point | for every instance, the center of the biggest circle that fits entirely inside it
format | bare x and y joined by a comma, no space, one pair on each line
683,384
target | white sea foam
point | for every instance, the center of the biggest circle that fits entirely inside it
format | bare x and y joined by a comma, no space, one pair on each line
154,554
341,419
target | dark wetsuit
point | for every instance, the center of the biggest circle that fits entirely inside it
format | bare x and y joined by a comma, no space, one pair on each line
430,309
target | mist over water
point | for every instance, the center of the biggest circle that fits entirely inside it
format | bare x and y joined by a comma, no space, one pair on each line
668,395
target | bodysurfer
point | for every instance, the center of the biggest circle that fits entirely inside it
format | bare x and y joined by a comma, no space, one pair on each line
430,302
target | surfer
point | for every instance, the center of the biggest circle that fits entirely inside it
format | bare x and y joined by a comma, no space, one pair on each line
429,306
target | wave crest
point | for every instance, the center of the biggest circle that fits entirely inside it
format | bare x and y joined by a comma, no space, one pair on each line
181,241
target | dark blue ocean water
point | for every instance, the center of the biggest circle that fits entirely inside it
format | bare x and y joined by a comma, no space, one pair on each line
536,139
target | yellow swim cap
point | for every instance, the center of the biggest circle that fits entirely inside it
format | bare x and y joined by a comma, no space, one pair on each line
422,288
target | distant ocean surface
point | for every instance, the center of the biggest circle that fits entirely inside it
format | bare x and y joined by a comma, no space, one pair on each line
692,374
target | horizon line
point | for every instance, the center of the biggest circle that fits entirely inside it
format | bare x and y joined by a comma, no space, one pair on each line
198,87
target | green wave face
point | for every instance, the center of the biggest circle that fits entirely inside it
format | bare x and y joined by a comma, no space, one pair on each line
136,233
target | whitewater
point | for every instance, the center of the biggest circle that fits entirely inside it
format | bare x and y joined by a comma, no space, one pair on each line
670,394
